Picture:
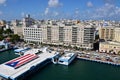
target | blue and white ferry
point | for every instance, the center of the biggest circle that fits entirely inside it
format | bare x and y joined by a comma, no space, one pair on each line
21,51
67,58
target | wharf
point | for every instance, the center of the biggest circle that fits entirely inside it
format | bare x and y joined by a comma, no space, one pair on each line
100,61
8,72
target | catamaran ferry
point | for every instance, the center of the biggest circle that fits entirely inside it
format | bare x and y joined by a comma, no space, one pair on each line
67,58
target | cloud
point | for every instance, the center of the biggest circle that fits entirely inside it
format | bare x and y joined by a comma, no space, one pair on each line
107,11
56,13
46,11
89,4
54,3
77,11
51,11
2,1
22,14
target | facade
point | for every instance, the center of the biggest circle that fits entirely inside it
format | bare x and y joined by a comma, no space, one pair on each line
110,47
28,21
67,35
117,35
74,35
32,34
107,33
18,28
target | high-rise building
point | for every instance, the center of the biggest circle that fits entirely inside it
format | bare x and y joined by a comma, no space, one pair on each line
74,35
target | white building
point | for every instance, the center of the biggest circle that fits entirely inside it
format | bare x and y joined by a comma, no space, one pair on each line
33,34
74,35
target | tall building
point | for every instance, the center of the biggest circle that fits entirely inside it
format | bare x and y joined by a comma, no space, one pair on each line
74,35
117,35
111,46
28,21
106,33
67,35
18,28
33,34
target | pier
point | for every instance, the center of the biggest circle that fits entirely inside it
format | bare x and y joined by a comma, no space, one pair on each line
97,58
23,66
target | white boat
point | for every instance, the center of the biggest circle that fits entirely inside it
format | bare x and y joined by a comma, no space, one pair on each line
21,51
67,58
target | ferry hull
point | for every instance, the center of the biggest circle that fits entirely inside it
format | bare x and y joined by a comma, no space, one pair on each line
69,61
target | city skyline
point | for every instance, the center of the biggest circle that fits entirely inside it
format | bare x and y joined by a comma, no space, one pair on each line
59,9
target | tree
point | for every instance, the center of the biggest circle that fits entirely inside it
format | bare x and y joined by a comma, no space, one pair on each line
8,31
15,38
1,31
96,37
1,37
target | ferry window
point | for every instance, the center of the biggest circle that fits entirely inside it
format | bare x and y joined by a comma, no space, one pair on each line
60,61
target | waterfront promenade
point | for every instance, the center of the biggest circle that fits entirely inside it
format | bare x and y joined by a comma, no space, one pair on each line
100,57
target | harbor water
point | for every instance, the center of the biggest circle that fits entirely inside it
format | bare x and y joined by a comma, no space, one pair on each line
77,70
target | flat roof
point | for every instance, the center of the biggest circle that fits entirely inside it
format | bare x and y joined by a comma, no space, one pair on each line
111,43
21,49
67,56
7,71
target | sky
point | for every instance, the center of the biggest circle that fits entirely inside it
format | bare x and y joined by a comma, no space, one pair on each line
61,9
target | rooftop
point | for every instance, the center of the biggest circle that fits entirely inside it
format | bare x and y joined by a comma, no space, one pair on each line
8,71
112,43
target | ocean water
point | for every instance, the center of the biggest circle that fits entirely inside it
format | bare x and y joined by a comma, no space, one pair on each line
77,70
7,55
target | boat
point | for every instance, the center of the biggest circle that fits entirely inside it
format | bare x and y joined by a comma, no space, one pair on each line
21,51
67,58
56,57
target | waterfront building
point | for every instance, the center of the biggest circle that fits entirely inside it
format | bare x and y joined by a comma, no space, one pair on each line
61,34
107,33
110,47
117,35
33,34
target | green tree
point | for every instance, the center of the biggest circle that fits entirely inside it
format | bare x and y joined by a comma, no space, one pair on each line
8,31
1,31
15,38
1,37
96,37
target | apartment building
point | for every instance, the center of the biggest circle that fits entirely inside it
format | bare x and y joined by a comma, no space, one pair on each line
117,35
33,34
107,33
74,35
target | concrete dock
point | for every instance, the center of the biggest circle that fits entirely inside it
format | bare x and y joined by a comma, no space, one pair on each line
8,72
